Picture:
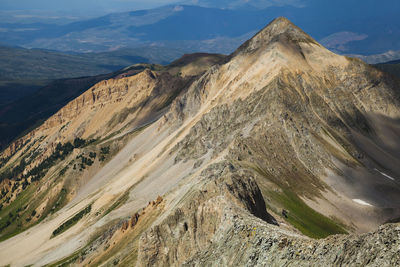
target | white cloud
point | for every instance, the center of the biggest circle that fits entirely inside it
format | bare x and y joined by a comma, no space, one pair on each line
178,8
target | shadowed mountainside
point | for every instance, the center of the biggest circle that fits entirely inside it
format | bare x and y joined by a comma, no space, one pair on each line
392,67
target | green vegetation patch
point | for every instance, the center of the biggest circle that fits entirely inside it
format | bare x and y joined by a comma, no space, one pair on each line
71,259
11,216
63,171
62,197
66,261
71,222
3,161
104,151
118,203
304,218
38,172
308,221
84,162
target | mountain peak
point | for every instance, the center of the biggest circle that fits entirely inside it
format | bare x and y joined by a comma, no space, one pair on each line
281,22
279,30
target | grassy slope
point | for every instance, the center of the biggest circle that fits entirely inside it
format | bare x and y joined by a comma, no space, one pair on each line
71,222
16,221
304,218
308,221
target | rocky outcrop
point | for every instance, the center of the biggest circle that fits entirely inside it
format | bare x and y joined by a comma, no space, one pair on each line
102,94
194,226
249,243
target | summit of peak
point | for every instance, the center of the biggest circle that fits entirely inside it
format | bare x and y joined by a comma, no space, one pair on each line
280,29
281,22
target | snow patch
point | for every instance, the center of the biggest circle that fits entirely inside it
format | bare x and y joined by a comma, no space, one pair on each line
362,202
384,174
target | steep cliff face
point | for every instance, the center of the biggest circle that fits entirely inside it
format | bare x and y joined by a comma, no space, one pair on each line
246,157
105,93
206,211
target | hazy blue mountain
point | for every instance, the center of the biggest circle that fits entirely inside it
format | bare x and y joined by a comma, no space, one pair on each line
99,7
240,4
347,27
198,23
377,21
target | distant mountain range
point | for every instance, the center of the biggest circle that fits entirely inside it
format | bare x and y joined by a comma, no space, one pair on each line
345,27
380,58
18,63
23,71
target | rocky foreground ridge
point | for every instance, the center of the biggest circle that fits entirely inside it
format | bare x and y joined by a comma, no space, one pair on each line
282,153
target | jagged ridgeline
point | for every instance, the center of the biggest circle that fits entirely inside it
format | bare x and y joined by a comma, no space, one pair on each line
282,153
